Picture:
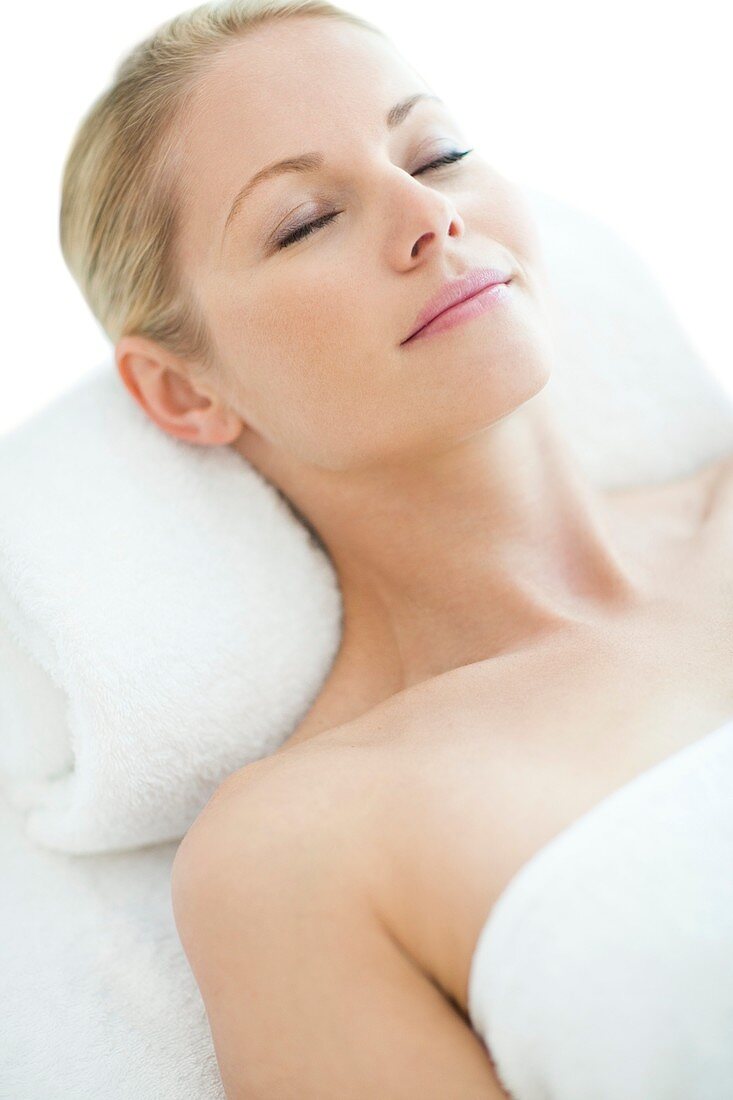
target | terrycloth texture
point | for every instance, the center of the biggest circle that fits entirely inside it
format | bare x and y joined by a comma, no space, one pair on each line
605,969
99,1002
164,619
164,616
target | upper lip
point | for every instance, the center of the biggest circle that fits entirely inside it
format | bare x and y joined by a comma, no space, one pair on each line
457,290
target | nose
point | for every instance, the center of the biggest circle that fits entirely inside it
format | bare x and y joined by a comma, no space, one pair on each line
423,219
425,239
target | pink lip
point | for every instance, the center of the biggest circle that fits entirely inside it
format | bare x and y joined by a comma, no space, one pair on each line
458,290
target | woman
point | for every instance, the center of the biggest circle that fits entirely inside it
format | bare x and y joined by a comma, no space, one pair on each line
517,644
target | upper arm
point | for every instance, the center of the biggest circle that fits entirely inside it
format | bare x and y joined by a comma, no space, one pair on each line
308,995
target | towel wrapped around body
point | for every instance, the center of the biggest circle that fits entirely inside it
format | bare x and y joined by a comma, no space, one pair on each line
605,968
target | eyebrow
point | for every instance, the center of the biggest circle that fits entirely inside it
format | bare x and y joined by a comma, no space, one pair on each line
309,162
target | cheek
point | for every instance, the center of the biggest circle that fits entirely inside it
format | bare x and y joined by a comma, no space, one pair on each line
289,374
314,367
318,316
517,220
316,335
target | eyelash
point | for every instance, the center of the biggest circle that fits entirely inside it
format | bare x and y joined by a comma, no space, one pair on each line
310,227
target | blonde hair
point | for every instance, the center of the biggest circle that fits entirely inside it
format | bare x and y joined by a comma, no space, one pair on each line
119,210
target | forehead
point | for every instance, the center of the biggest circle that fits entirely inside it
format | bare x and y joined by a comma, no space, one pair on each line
301,71
281,90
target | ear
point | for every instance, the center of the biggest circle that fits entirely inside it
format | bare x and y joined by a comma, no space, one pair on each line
166,389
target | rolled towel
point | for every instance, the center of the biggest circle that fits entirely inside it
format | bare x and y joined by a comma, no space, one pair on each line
164,620
165,616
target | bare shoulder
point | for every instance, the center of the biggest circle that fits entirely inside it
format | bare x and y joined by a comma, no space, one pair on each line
307,992
308,815
696,486
719,475
711,491
715,482
296,807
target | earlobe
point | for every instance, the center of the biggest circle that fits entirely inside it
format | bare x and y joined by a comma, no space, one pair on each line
228,429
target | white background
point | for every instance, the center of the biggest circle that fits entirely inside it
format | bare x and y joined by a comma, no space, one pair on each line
622,109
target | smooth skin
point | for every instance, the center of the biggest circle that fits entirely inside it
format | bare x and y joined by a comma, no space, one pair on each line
446,497
309,995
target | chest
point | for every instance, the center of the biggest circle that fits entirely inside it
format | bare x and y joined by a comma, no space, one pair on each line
499,759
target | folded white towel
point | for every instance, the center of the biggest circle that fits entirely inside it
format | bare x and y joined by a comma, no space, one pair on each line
165,618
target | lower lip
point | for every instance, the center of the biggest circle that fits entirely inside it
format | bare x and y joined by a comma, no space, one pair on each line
480,303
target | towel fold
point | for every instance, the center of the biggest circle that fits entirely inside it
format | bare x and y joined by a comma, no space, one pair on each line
164,620
165,617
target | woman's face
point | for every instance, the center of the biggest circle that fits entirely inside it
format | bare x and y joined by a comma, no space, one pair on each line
308,332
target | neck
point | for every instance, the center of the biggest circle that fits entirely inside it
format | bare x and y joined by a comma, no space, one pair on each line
483,548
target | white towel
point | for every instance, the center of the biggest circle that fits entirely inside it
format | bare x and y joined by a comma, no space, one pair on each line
164,619
164,616
99,1002
605,969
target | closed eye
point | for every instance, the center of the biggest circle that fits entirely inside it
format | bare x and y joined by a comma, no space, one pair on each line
447,158
310,227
